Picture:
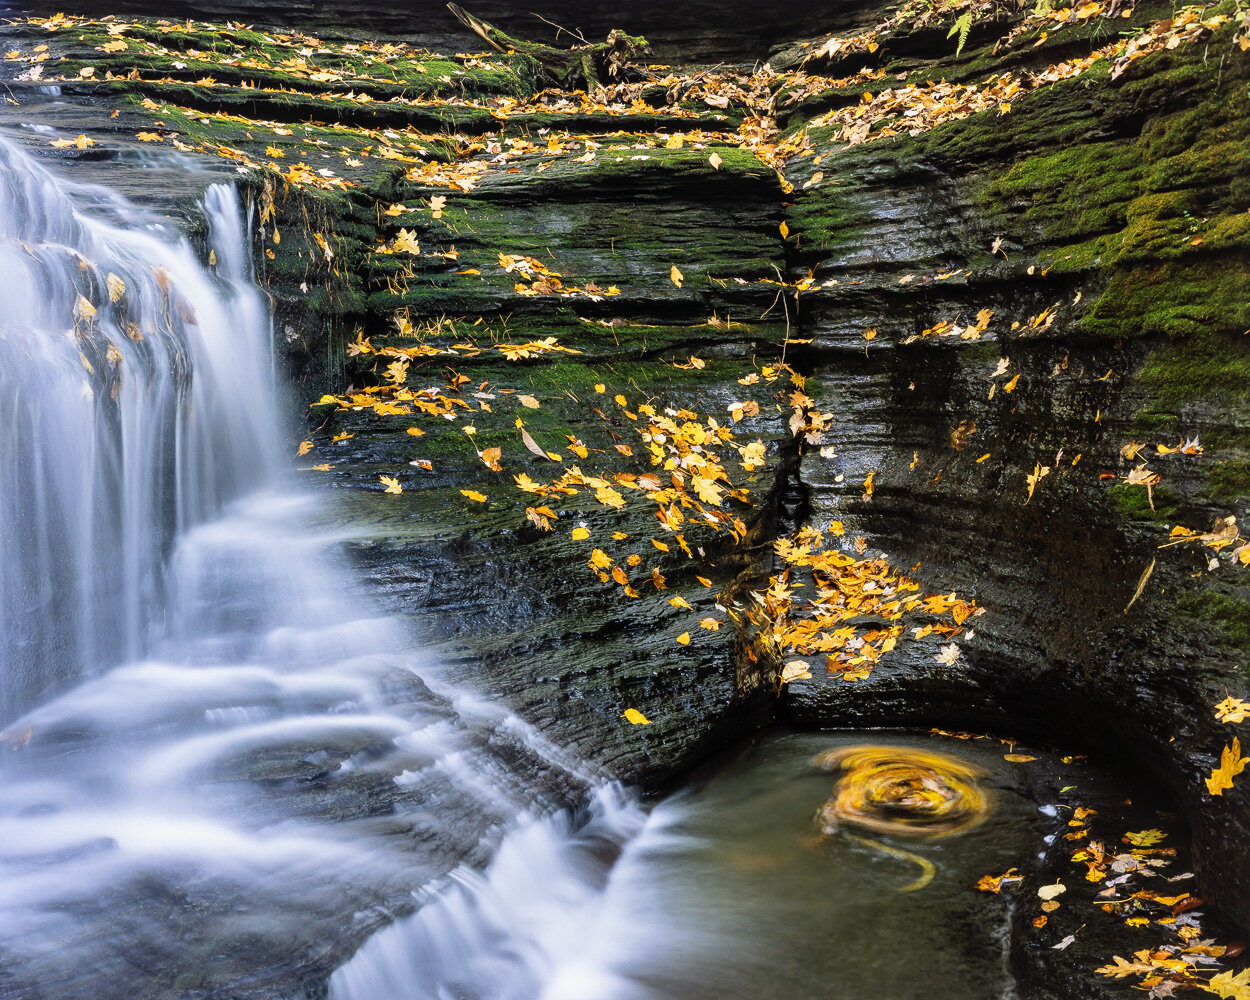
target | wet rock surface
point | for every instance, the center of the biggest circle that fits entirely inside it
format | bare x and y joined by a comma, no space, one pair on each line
1101,221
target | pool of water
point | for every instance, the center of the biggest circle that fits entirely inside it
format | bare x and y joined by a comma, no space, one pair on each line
731,890
728,890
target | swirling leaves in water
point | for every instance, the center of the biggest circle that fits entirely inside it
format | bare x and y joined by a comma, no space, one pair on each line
902,792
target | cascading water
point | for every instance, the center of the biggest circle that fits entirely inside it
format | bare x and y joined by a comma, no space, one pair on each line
111,446
219,769
221,774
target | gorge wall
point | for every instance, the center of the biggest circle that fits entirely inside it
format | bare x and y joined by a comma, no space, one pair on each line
982,301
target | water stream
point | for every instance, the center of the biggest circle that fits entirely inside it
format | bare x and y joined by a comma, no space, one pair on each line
218,765
221,772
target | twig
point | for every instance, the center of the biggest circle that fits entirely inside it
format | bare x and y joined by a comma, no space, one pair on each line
559,28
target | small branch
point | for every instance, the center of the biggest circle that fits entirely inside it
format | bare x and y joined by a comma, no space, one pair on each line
559,28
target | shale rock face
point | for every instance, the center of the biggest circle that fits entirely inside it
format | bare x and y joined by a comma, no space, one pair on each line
1054,279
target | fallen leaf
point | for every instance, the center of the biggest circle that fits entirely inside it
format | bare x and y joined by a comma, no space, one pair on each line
474,495
1145,838
636,717
948,655
1231,764
1141,585
796,670
1036,476
580,534
1125,968
1232,710
391,484
684,639
531,444
304,448
1231,987
528,401
715,161
676,276
995,883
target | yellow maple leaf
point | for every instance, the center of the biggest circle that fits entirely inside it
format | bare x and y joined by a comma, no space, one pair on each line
1232,710
1145,838
474,495
599,559
1231,987
636,717
680,602
1123,967
304,448
1232,763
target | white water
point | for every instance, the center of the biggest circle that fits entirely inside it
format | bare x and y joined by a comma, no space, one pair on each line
219,764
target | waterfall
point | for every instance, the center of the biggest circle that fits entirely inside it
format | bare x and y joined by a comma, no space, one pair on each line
221,770
128,416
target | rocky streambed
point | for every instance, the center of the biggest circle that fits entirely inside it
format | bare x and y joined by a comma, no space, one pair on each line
959,321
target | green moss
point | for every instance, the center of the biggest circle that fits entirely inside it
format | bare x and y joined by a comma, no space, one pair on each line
1230,480
1185,298
1230,614
1207,366
1133,503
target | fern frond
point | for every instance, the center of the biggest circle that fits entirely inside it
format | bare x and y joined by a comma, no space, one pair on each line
963,26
